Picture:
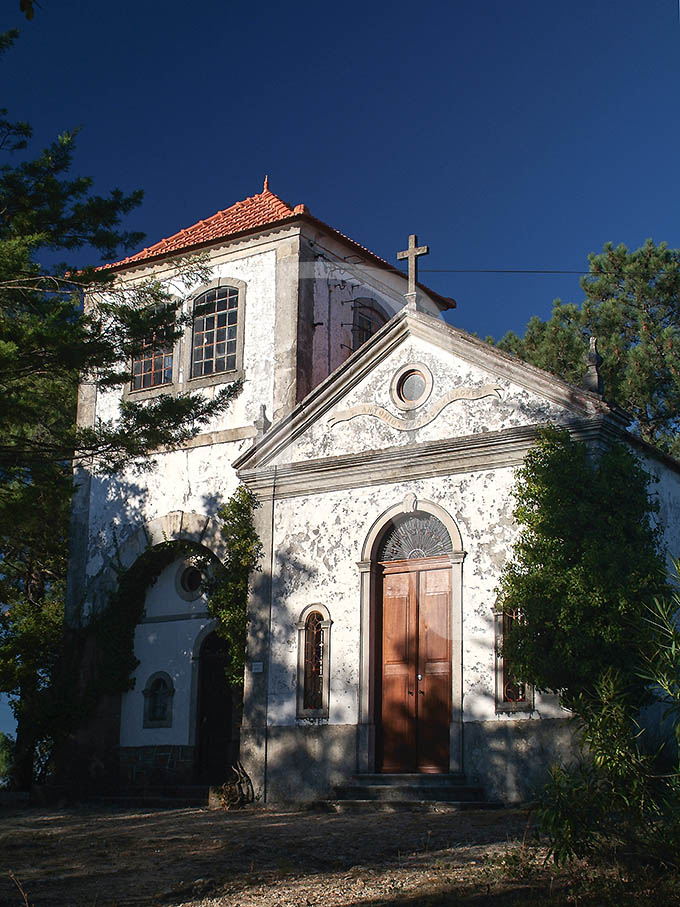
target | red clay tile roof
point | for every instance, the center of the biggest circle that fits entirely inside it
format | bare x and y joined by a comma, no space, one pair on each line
257,211
263,210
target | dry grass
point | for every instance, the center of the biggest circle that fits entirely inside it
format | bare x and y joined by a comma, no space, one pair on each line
201,858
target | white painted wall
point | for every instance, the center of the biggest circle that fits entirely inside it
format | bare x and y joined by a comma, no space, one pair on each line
319,539
195,479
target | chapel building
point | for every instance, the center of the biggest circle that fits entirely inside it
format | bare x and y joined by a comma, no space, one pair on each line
381,443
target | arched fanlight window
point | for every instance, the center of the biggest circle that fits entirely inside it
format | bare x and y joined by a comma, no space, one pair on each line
158,695
414,535
314,629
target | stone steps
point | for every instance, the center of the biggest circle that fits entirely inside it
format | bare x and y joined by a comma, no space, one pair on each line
419,791
398,806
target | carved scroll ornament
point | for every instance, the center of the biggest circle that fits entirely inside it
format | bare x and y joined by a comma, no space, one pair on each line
409,424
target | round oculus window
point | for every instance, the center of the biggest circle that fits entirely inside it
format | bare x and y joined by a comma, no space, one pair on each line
191,579
411,386
188,582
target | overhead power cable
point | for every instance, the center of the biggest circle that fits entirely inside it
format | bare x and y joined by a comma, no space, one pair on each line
498,271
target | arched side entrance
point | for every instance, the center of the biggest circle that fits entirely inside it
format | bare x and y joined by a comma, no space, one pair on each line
411,642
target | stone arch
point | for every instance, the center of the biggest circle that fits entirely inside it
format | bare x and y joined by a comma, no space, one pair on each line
371,580
176,526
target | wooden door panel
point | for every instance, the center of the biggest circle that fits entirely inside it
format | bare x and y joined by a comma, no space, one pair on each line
434,667
397,619
398,674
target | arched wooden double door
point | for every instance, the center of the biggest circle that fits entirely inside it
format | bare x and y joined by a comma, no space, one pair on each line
414,638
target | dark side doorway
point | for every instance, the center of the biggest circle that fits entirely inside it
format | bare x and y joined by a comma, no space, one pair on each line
216,737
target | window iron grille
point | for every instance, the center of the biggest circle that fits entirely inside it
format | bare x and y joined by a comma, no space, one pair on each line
314,643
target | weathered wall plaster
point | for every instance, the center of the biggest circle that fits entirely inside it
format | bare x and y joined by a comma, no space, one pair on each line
318,541
516,407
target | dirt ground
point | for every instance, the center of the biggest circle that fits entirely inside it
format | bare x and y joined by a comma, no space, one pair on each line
205,858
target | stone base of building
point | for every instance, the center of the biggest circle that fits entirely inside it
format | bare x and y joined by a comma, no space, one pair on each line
509,759
298,764
156,766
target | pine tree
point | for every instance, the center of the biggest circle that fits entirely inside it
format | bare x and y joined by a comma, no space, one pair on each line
49,341
586,561
632,307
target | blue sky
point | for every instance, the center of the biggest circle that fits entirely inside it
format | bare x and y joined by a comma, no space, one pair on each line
508,136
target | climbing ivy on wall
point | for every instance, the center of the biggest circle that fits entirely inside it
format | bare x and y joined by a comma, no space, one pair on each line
99,655
228,589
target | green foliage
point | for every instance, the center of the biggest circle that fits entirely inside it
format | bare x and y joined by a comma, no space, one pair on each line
113,630
228,592
33,549
6,758
27,7
632,306
585,563
49,340
99,659
661,665
615,792
595,622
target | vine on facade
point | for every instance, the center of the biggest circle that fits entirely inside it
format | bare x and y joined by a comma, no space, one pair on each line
228,589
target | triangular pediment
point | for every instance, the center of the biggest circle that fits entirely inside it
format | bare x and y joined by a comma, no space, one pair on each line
420,382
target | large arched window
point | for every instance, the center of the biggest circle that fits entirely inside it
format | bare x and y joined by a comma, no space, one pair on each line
314,629
215,353
158,694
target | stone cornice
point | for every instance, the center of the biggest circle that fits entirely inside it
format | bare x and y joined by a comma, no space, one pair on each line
472,453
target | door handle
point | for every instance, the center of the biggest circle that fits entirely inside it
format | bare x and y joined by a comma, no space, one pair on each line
410,692
420,676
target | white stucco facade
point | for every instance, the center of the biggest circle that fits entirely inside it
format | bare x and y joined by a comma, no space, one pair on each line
338,455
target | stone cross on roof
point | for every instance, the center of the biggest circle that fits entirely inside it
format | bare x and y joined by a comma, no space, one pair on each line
411,255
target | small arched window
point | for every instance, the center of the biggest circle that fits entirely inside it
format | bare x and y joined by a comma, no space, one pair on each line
314,628
158,695
511,694
313,661
367,319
